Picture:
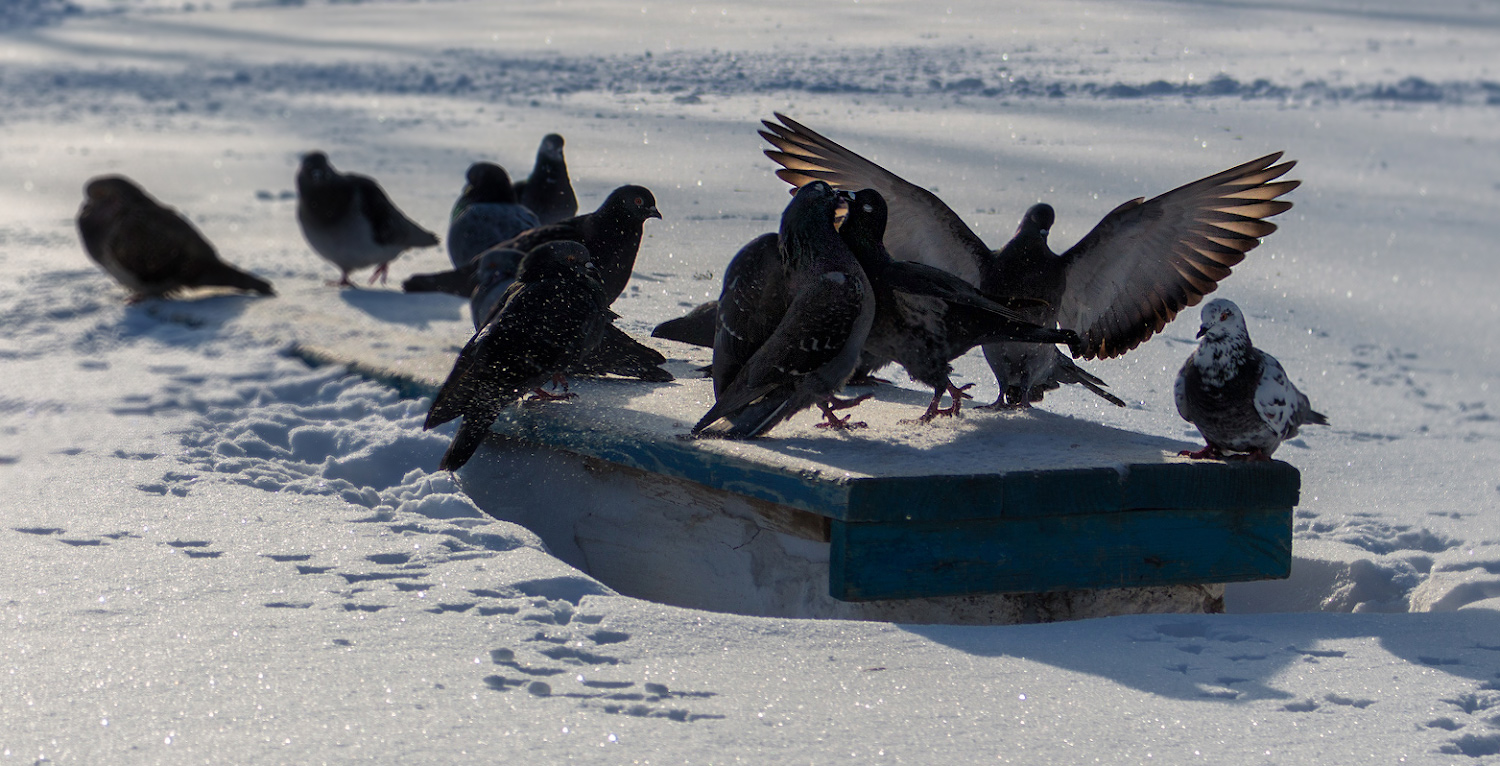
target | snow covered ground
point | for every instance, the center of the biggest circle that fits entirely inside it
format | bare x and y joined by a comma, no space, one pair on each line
215,553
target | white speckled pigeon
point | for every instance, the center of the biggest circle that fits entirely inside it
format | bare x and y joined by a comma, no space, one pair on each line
1238,396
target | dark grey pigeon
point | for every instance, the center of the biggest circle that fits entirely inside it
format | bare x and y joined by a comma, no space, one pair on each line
1144,262
485,214
554,313
349,220
612,235
926,317
548,192
1238,396
150,248
817,338
757,293
616,353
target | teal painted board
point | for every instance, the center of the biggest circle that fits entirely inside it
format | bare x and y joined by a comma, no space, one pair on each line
1031,555
958,498
1069,491
1212,484
1020,494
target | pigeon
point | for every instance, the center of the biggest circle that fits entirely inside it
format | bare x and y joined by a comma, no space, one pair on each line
548,192
150,248
926,317
1238,396
349,220
616,353
823,307
612,235
486,213
554,313
1121,284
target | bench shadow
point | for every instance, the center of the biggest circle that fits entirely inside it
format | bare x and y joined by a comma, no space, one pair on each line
1233,659
415,310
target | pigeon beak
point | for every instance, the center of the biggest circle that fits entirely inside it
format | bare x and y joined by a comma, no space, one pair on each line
1201,331
652,212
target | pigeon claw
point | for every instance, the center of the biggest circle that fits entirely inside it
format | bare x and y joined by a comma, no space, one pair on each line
1207,453
841,423
538,395
956,393
832,404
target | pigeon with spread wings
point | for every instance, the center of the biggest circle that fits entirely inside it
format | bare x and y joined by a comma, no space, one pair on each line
926,317
1121,284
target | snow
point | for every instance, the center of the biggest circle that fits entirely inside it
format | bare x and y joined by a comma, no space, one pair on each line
217,553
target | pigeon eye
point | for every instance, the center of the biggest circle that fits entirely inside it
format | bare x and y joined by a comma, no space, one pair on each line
639,202
869,208
1224,316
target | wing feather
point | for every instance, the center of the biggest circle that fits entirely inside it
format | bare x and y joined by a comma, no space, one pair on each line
919,226
1147,260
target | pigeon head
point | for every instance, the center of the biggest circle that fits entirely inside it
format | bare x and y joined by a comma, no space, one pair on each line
807,222
1221,320
552,146
635,202
315,168
114,192
812,200
1037,221
865,222
560,259
488,183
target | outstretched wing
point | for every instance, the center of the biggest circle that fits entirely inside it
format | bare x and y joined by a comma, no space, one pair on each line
919,226
1147,260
